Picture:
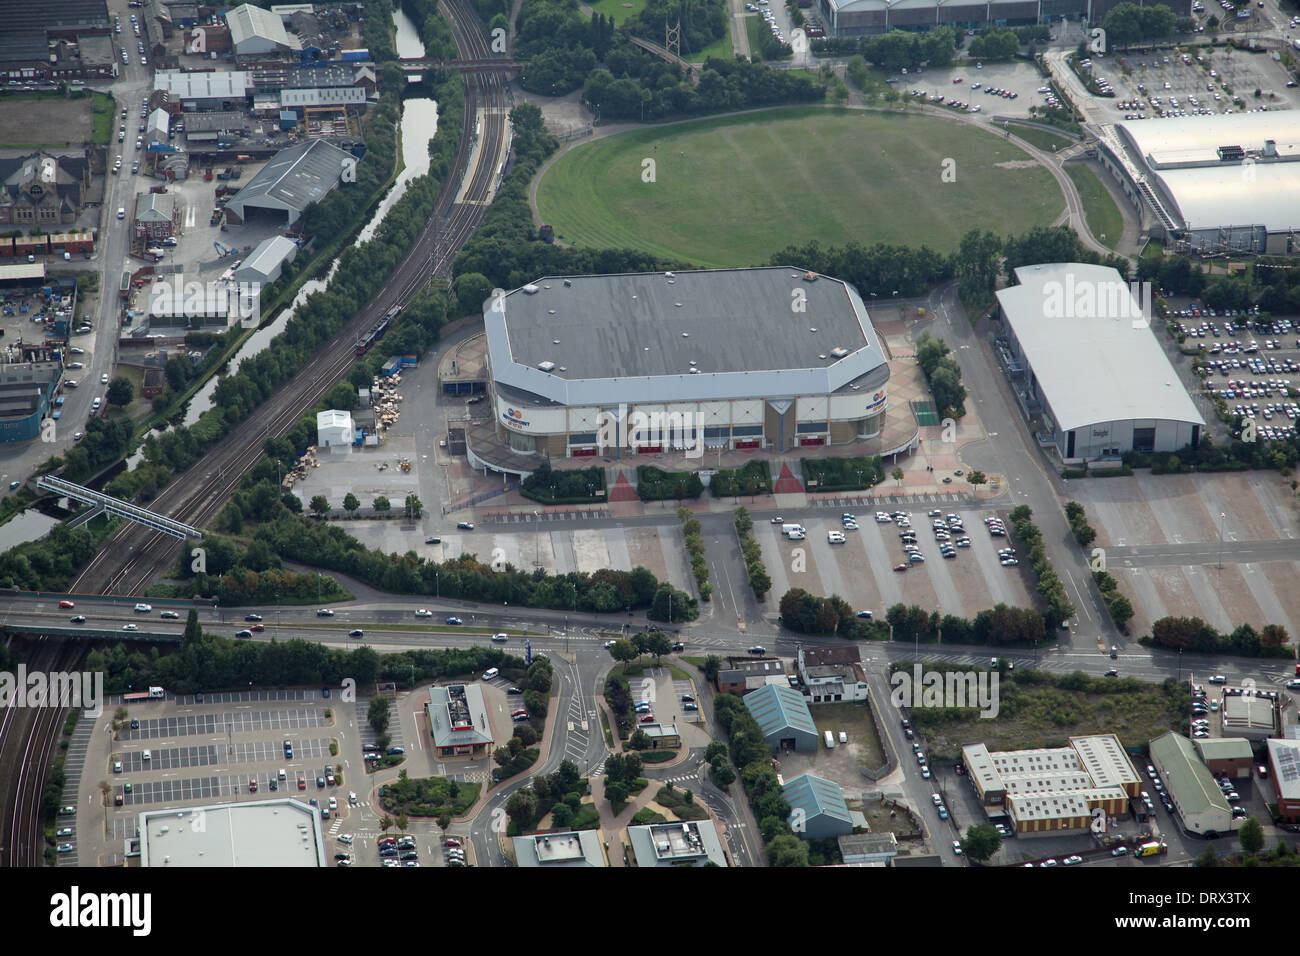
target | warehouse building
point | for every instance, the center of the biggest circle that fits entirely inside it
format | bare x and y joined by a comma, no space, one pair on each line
223,90
773,358
1052,789
265,262
817,808
1284,772
26,391
1212,185
39,41
851,18
741,675
677,844
1062,318
257,32
279,833
832,674
783,716
582,848
334,429
1227,756
294,179
1202,807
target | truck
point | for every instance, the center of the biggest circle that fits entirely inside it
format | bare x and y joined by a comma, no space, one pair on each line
787,529
1152,849
157,693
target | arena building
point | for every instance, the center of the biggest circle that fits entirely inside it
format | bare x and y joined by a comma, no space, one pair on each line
771,358
1085,366
1212,185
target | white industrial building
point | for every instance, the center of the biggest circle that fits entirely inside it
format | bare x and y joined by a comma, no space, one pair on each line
204,91
1213,185
264,263
1085,365
295,178
279,833
850,18
334,428
733,358
257,32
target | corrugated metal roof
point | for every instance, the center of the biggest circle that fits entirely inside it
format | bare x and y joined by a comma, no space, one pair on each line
1190,780
776,708
816,796
247,21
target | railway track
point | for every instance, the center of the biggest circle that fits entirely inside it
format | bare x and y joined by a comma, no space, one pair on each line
134,555
31,736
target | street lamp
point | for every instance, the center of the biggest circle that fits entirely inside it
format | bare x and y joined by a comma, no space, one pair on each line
1221,517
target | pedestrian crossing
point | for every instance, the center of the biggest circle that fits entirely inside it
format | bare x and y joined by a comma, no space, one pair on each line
525,517
879,501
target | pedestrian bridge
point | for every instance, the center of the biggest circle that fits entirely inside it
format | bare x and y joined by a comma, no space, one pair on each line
123,509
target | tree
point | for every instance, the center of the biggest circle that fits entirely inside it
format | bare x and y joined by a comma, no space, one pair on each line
193,631
981,842
1251,836
658,644
712,664
723,775
381,504
378,713
639,740
897,475
616,792
787,850
350,503
561,816
623,650
120,391
522,808
319,504
413,506
977,478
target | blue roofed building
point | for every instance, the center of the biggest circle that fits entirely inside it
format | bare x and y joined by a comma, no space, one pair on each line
782,714
817,808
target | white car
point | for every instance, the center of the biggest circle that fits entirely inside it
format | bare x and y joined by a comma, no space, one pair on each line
344,838
144,608
130,627
607,645
424,612
103,379
835,537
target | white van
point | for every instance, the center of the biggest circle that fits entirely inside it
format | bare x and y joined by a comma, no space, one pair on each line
491,673
791,528
844,738
830,740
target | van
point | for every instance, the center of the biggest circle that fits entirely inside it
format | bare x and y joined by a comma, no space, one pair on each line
844,738
491,673
786,529
830,740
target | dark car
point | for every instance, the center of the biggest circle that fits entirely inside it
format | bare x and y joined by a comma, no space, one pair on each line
78,620
513,690
135,723
465,525
410,855
394,751
252,617
679,646
687,699
1111,673
758,649
370,748
356,632
433,540
320,784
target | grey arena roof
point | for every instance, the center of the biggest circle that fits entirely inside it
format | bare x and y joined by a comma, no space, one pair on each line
247,21
1209,192
775,708
294,179
1096,367
740,328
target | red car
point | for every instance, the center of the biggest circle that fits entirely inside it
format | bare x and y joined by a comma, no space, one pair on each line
648,719
451,841
900,567
302,783
67,604
258,627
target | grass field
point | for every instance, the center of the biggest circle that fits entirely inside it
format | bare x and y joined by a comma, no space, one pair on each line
734,190
720,47
1043,139
1104,218
618,10
754,28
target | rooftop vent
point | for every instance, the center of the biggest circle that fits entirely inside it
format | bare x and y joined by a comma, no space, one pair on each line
567,283
546,366
555,341
686,335
695,371
810,277
530,289
822,356
692,362
669,275
546,286
812,330
550,311
839,351
677,304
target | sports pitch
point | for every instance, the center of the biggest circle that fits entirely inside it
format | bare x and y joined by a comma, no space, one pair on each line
733,191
